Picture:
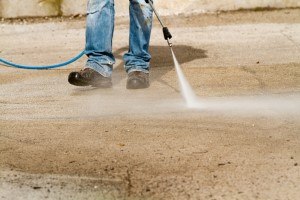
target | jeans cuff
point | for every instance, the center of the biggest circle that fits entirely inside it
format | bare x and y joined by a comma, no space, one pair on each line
137,69
104,70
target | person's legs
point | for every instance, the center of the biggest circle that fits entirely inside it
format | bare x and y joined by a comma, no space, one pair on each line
138,57
99,34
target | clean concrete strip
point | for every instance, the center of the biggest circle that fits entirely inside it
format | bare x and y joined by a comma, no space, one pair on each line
22,186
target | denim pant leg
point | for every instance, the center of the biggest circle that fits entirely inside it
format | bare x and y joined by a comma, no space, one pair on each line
138,57
99,34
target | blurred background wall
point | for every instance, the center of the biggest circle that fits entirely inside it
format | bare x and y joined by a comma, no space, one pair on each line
25,8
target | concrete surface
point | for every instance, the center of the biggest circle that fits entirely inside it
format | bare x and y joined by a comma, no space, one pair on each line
59,141
16,8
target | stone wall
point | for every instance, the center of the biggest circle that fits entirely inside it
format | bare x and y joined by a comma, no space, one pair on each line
20,8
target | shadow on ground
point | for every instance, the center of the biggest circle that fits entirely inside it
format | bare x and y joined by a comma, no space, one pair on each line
161,63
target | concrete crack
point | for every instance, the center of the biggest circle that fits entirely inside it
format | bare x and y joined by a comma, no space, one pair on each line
288,37
129,182
261,83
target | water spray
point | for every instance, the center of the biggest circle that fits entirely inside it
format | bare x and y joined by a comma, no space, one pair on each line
186,89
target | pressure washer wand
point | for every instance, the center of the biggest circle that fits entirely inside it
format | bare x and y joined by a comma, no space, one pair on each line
166,31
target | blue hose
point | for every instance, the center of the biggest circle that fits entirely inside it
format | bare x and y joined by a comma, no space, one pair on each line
7,63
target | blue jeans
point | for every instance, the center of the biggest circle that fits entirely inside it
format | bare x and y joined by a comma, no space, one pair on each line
99,34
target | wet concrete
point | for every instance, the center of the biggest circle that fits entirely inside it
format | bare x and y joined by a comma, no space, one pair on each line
86,143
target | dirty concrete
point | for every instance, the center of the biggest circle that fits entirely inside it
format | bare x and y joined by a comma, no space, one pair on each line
59,141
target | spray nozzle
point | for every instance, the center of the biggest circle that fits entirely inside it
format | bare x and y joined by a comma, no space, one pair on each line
169,43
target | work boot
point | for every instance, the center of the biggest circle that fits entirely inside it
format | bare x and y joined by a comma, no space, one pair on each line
137,80
89,77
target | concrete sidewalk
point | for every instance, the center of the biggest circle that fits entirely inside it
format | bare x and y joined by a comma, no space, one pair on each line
59,141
